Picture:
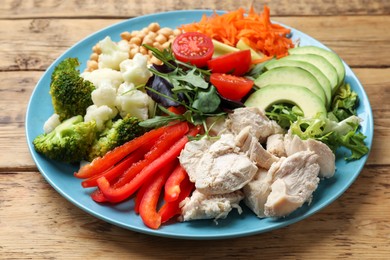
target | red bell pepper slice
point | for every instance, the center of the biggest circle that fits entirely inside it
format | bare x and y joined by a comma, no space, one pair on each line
172,186
125,191
150,192
98,196
118,169
100,164
171,209
162,144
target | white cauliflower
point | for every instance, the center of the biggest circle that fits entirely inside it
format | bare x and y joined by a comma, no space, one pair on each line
103,76
52,122
112,53
105,94
100,115
133,101
135,70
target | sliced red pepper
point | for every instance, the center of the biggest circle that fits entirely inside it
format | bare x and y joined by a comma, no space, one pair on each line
162,144
100,164
122,193
151,191
179,110
98,196
118,169
172,186
171,209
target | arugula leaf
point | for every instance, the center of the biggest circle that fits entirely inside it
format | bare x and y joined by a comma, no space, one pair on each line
284,114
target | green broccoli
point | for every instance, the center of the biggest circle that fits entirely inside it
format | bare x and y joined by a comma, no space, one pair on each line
116,134
68,142
70,93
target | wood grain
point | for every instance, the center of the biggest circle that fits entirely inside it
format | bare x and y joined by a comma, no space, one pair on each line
354,226
131,8
36,43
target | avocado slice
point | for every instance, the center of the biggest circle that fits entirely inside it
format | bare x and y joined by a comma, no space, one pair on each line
330,56
320,77
310,104
222,48
291,76
321,63
243,46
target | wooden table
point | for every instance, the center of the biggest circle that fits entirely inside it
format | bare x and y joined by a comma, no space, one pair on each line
36,222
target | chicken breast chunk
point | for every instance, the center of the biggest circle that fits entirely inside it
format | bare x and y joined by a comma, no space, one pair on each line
256,192
295,180
326,158
218,169
261,126
202,206
275,145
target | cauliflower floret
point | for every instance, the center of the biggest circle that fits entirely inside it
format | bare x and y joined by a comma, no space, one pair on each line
52,122
104,95
103,76
112,53
100,115
132,101
135,70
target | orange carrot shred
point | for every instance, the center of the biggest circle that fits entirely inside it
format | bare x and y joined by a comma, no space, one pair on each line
256,29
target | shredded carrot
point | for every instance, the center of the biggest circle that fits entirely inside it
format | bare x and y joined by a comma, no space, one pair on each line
255,29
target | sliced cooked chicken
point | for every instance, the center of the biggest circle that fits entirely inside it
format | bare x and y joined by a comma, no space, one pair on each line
275,145
256,192
254,150
202,206
219,169
295,180
326,158
262,127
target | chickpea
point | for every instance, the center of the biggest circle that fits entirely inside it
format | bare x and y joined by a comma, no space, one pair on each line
157,45
165,31
92,65
143,50
136,40
154,60
126,36
96,49
147,40
161,38
133,52
134,33
154,27
176,32
94,56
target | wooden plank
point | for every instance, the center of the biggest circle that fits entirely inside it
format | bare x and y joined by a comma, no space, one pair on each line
353,227
16,89
124,9
36,43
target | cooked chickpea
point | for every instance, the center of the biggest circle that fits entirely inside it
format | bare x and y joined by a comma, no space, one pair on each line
94,56
154,60
147,40
126,36
136,40
157,45
176,32
154,27
133,51
165,31
92,65
96,49
143,50
161,38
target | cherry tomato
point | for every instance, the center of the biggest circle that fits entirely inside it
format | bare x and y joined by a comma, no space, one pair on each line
193,47
230,86
236,63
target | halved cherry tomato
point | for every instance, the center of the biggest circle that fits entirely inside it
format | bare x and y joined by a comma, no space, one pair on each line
230,86
236,63
193,47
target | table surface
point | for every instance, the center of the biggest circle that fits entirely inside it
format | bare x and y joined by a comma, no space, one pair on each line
36,222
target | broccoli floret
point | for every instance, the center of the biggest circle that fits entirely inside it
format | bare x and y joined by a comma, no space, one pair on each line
70,93
116,134
68,142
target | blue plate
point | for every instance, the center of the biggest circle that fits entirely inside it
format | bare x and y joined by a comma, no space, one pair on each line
60,176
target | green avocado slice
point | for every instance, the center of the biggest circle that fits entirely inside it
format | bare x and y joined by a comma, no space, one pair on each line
291,76
310,104
330,56
320,77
